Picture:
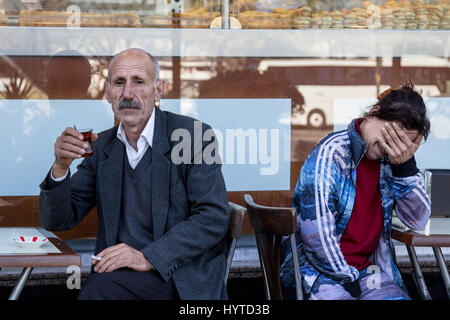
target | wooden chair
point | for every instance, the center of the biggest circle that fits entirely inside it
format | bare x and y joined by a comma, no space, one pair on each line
237,214
270,225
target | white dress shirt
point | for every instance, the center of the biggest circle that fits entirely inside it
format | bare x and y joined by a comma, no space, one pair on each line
134,156
145,140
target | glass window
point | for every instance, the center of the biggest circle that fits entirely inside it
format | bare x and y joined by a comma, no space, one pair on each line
250,14
305,74
110,13
302,14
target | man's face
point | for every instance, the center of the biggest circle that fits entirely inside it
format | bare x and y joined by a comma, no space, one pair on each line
131,90
372,134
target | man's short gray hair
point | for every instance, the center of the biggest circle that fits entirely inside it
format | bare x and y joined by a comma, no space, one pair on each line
152,58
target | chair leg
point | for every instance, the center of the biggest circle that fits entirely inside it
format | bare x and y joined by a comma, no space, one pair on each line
229,260
266,281
298,277
444,272
264,271
420,281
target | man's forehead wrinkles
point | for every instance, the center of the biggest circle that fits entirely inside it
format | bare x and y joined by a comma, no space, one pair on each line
122,69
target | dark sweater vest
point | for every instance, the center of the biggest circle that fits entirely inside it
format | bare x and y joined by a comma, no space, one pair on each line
135,225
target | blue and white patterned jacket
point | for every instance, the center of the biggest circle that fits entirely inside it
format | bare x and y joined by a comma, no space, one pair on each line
324,199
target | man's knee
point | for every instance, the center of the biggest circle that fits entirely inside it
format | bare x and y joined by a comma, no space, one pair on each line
127,285
97,287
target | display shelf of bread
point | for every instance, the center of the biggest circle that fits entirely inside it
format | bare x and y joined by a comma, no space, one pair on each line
160,21
415,15
252,19
392,14
3,20
85,19
197,18
200,18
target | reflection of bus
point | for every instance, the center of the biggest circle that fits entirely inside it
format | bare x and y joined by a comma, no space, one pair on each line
321,81
319,102
318,111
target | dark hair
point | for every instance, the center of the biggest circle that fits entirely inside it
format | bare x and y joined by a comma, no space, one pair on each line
405,105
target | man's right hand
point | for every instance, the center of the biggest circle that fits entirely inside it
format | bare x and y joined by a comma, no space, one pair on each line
69,146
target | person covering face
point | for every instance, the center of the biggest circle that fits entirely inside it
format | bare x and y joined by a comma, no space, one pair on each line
345,196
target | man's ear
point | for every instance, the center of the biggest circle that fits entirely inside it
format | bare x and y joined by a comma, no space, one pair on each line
159,89
108,92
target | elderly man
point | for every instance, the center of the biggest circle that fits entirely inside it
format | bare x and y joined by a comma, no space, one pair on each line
346,193
162,226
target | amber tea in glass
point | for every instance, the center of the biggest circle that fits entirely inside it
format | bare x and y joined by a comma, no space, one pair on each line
87,133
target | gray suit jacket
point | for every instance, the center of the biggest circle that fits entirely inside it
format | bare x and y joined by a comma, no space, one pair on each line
189,207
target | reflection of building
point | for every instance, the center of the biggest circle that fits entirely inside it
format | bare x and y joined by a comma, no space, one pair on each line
314,55
348,78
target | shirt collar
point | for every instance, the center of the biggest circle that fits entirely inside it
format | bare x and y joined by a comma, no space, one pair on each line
147,133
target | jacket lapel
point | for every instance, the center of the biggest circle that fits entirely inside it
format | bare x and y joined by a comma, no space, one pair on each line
160,174
358,147
111,176
357,144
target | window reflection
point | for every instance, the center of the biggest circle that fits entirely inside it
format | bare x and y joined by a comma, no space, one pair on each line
40,80
313,85
250,14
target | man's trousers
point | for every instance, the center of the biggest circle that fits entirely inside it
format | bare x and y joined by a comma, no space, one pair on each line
127,284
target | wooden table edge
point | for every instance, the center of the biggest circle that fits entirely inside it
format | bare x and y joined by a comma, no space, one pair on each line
412,238
65,258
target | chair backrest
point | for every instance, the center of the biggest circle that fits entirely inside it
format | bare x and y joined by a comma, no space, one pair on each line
270,225
437,184
237,214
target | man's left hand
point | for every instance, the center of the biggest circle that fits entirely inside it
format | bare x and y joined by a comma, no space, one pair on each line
121,256
397,144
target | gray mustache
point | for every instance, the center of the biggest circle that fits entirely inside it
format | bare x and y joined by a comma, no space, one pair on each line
133,104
